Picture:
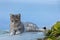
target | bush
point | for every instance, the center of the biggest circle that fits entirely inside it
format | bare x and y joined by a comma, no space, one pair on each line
54,33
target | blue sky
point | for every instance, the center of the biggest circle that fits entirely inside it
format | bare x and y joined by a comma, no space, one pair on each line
40,12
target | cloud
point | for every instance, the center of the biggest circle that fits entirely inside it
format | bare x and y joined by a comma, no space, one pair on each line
32,1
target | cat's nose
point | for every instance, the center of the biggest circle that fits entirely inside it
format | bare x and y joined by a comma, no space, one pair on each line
13,23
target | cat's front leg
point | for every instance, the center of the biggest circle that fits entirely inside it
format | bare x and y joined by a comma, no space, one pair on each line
18,32
11,33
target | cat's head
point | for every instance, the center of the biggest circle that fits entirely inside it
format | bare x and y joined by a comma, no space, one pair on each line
15,18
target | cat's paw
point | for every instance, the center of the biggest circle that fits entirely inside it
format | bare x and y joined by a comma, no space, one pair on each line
11,33
18,32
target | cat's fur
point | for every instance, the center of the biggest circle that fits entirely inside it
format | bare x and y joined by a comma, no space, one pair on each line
30,27
16,26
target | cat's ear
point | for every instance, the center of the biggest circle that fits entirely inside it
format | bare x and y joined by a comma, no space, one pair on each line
19,15
11,14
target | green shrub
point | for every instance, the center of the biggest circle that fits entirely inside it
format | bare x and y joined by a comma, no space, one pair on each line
54,32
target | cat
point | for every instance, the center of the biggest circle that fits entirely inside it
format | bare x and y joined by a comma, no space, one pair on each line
30,27
16,26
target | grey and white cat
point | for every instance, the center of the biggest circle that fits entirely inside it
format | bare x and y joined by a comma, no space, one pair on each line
16,26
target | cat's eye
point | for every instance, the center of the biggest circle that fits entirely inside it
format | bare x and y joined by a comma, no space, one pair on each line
12,20
16,20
